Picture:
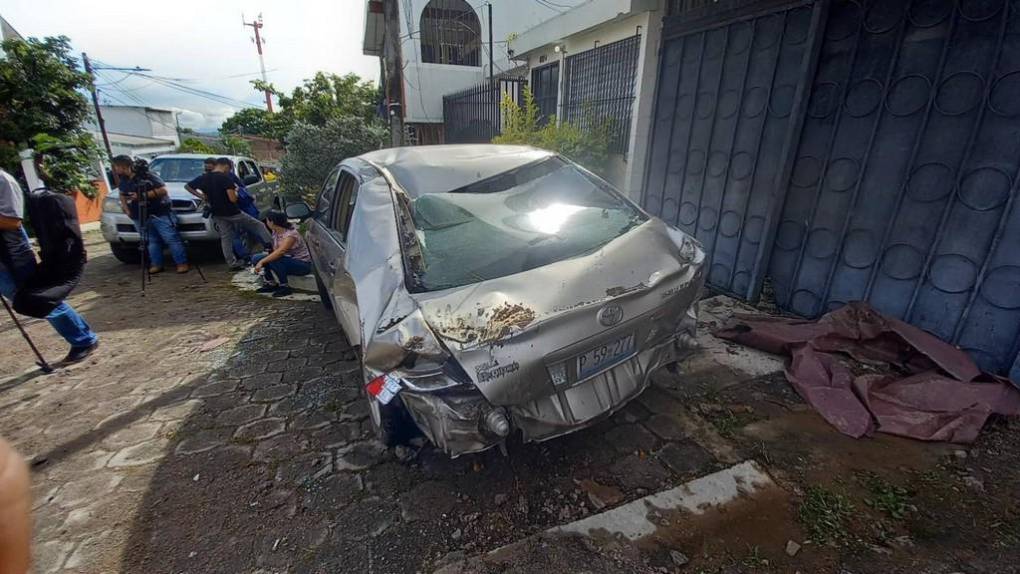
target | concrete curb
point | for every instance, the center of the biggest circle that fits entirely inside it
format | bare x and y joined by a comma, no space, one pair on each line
637,520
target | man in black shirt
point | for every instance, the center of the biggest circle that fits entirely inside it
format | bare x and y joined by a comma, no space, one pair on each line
160,225
219,190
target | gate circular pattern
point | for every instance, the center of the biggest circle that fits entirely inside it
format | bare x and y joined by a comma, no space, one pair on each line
842,174
953,273
782,100
705,105
717,163
740,38
709,217
769,30
806,171
844,18
729,103
864,97
804,302
908,95
715,43
1001,287
985,188
861,249
789,235
930,182
684,106
959,93
729,225
741,281
822,243
824,100
695,162
883,16
741,166
979,10
1005,96
797,26
902,261
928,13
755,100
753,229
719,274
688,213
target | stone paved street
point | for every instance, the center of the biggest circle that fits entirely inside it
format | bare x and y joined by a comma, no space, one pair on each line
220,431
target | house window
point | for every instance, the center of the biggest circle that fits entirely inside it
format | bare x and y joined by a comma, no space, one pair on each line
545,85
450,34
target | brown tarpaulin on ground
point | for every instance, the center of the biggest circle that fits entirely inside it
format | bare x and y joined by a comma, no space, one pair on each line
945,397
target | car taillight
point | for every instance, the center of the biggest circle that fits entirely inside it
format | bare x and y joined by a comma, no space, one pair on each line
383,388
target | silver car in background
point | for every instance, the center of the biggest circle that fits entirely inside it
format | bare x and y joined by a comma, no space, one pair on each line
494,289
177,170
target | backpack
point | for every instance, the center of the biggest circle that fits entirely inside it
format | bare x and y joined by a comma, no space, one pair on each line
62,253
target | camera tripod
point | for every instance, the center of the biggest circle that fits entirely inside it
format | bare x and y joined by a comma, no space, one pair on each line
143,237
46,368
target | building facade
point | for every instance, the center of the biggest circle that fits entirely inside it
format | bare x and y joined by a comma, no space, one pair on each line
139,131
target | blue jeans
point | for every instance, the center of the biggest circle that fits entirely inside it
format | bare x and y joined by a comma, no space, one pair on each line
162,233
64,319
283,267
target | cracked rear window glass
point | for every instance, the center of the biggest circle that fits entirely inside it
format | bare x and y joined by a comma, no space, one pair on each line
538,214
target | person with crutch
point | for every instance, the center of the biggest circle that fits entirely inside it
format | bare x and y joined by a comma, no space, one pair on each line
18,269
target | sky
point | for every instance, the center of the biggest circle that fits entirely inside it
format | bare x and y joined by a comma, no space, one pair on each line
203,44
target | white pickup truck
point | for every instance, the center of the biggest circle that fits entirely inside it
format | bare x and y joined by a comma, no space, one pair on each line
176,170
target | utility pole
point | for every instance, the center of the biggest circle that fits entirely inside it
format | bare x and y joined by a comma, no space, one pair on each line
95,102
256,25
391,57
492,70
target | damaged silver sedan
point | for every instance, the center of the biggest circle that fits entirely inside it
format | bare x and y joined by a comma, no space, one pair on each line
494,289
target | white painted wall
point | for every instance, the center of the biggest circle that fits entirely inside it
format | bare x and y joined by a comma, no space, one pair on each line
140,121
426,84
625,171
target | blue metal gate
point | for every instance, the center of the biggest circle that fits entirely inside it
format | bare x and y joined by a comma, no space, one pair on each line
899,187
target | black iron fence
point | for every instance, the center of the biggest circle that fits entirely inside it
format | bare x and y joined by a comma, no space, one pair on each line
600,87
545,87
474,115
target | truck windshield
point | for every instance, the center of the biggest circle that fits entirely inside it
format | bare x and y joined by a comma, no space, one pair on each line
177,168
525,218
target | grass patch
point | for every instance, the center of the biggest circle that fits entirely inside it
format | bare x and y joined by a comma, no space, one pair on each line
893,500
825,515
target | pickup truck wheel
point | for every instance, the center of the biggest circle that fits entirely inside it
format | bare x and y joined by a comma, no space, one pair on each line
323,294
126,253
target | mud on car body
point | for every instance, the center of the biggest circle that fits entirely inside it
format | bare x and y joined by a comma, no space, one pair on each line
494,289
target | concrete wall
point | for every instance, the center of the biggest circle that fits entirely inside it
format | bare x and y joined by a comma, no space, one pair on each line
139,121
426,84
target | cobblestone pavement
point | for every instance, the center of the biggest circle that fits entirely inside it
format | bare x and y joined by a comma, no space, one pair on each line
217,431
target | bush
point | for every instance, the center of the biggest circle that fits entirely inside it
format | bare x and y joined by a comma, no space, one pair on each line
585,142
313,151
195,145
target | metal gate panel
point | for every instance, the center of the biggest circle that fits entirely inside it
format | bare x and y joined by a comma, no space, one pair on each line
725,107
904,186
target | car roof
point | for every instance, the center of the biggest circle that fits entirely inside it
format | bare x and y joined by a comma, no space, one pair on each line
420,170
200,156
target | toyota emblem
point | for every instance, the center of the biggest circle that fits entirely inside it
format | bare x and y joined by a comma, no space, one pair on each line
610,315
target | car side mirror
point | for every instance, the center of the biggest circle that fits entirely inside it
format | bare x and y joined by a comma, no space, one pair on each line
250,179
298,210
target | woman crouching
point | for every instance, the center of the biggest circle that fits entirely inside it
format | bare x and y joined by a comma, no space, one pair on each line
288,257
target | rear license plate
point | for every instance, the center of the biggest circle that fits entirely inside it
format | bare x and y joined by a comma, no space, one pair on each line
604,356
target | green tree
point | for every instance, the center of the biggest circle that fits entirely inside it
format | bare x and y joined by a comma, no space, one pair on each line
313,151
44,107
235,145
586,142
194,145
316,101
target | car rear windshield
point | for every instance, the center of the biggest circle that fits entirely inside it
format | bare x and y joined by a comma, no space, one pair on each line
532,216
177,169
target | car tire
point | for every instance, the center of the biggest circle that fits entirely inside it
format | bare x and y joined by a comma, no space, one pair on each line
126,254
323,294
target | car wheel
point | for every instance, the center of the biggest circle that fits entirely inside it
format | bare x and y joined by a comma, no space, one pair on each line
323,294
125,253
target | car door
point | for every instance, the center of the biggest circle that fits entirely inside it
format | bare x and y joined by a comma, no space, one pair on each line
320,245
341,285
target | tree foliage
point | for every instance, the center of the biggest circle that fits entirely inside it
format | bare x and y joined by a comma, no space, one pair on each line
316,101
234,145
44,107
195,145
313,150
585,142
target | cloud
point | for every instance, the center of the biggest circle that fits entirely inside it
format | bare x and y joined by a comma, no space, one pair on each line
208,119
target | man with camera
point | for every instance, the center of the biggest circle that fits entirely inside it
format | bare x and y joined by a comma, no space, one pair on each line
220,191
143,194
